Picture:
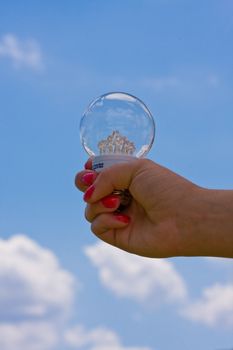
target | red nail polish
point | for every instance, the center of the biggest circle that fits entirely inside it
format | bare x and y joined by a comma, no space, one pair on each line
88,164
110,202
88,193
88,178
122,218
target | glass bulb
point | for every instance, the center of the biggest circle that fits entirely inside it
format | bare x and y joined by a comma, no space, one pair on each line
116,127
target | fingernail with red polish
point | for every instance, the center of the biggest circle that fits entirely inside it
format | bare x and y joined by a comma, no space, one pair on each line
88,178
122,218
88,164
88,193
110,202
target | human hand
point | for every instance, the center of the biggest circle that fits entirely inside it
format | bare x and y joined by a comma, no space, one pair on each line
156,222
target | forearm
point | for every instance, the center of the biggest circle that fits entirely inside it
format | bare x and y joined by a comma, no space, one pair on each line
207,227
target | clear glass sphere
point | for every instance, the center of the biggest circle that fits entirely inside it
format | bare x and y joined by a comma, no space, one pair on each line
117,123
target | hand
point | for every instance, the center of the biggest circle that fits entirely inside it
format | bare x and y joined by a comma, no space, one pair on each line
156,224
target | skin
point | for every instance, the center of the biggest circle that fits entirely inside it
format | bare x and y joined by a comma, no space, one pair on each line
168,216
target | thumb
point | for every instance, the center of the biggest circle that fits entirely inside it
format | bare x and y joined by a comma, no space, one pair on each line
116,177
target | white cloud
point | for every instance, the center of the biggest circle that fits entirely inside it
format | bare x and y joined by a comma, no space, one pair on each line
33,285
128,275
21,52
215,308
36,295
28,336
96,339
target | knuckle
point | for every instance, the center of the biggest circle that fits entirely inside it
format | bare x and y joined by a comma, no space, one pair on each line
146,162
87,214
95,228
104,176
98,225
143,165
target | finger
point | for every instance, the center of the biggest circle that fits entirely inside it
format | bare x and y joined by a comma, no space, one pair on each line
88,164
84,179
115,177
109,228
105,205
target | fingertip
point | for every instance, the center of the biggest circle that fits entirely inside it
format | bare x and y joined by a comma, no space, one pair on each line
110,202
88,193
88,178
123,218
88,164
109,221
76,180
84,179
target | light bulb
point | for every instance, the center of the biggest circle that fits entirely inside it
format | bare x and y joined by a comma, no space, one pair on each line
116,127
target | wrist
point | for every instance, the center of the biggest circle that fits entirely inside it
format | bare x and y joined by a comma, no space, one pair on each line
207,225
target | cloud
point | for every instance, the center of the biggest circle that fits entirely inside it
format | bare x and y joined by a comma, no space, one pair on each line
215,307
25,53
28,336
36,295
138,278
33,285
99,338
36,298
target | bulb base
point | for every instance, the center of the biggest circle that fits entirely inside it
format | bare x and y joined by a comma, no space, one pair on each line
106,160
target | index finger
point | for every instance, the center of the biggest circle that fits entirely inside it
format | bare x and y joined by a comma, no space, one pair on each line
88,164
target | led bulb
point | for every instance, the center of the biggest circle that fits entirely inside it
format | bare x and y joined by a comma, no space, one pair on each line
116,127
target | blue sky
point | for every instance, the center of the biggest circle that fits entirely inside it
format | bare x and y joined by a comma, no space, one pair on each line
61,288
